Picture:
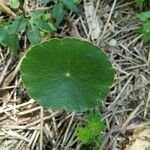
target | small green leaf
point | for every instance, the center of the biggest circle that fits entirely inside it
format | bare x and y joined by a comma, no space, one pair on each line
84,135
68,74
146,31
95,124
140,30
43,25
146,27
12,41
37,13
93,128
34,35
77,1
70,5
3,33
139,2
18,24
147,37
58,13
46,16
144,16
53,28
8,39
14,3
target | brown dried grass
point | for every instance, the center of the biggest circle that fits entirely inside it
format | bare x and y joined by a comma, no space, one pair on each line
25,125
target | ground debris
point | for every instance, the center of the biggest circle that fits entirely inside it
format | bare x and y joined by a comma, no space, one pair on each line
140,140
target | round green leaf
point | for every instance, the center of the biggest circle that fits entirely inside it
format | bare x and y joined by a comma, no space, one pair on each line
68,74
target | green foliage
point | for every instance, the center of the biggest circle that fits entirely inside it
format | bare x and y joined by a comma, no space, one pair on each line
58,13
139,2
90,134
37,25
9,33
68,74
58,9
34,35
145,29
9,39
144,16
18,24
142,3
77,1
14,3
70,5
44,25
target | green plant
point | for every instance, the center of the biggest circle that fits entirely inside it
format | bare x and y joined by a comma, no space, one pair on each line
145,29
90,134
58,9
139,2
35,26
9,39
142,3
39,24
68,74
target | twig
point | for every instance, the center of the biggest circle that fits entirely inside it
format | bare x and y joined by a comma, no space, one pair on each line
108,20
28,111
119,95
6,9
122,129
5,71
41,130
3,110
133,113
13,74
68,128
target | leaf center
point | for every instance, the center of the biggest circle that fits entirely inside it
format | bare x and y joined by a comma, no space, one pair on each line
67,75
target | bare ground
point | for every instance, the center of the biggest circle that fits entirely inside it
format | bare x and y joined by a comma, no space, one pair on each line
111,25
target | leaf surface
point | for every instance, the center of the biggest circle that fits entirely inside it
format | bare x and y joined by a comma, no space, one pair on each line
34,35
58,13
9,39
68,74
44,25
144,16
18,24
93,127
139,2
70,5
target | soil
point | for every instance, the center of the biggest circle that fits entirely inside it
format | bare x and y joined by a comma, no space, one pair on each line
112,25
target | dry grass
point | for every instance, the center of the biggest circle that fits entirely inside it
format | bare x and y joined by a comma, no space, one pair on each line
25,125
